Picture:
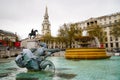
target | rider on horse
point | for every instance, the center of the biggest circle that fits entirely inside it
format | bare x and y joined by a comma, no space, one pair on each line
33,33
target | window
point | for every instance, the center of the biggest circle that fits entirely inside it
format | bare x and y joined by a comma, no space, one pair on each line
106,39
116,39
96,22
91,22
110,38
117,45
115,21
88,24
106,45
111,44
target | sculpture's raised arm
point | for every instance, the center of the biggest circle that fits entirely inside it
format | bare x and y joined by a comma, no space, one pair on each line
44,45
53,50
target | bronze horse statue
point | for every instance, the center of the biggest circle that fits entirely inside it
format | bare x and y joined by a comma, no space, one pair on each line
33,33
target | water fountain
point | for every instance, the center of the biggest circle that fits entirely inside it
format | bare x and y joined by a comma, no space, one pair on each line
89,49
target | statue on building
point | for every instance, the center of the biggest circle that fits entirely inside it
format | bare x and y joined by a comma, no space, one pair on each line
33,33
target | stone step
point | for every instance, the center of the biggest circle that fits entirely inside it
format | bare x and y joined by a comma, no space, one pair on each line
86,49
86,56
85,53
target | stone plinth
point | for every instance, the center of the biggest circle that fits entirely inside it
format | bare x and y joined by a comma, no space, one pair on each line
32,43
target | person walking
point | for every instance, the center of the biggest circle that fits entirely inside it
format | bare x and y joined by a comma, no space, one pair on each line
8,51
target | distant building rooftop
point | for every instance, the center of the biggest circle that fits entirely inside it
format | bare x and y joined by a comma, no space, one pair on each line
4,32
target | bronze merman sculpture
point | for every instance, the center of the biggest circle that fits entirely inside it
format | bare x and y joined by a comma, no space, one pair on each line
35,59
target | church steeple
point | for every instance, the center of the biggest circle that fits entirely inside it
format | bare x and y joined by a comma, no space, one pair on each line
46,24
46,14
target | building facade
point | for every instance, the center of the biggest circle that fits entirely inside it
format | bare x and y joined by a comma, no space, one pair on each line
107,23
7,38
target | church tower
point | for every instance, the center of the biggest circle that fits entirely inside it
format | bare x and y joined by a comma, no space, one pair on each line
46,24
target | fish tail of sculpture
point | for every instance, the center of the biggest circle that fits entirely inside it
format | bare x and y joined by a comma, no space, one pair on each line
47,66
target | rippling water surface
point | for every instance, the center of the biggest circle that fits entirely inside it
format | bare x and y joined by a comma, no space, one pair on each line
107,69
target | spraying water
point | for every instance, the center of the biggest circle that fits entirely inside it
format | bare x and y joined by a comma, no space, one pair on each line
97,42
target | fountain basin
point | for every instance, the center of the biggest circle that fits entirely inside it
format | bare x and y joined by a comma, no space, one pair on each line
86,53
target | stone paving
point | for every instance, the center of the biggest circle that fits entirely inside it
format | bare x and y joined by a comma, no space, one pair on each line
107,69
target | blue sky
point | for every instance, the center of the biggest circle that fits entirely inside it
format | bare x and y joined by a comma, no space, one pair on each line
22,15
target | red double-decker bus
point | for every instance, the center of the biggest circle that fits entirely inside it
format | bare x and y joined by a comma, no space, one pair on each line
17,44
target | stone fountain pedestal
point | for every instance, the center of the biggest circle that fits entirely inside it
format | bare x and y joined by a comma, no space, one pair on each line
89,50
86,53
32,43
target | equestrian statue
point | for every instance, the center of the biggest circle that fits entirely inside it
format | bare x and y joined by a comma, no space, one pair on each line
33,33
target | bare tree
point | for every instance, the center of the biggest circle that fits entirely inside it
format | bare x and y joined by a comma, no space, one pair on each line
68,33
115,30
97,31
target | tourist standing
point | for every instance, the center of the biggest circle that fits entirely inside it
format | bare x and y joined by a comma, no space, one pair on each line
8,51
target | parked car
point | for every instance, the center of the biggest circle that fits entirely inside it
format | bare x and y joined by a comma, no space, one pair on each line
116,51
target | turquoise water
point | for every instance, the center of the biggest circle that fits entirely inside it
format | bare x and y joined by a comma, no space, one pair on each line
107,69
